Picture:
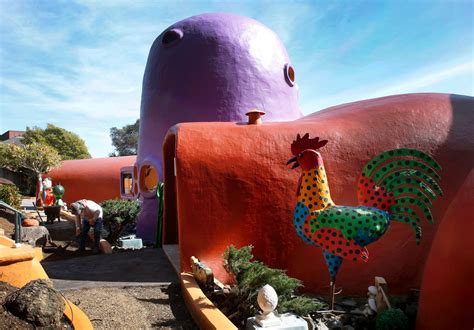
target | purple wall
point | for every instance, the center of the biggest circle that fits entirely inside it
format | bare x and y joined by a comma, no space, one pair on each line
211,67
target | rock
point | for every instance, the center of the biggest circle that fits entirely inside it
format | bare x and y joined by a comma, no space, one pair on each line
348,327
344,318
334,324
105,247
372,290
372,304
37,302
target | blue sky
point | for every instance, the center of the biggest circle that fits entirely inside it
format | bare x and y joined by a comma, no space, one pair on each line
79,64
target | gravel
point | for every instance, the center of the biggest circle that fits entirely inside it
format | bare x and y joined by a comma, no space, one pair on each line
159,307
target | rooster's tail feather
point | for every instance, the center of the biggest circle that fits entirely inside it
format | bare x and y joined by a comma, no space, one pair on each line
407,179
394,155
411,221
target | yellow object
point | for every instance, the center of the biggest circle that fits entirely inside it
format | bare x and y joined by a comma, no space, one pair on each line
20,265
204,312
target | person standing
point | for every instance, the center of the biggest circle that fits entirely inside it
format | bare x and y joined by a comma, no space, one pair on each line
89,214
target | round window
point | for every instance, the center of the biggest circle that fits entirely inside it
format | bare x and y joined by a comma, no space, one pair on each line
148,178
289,74
171,37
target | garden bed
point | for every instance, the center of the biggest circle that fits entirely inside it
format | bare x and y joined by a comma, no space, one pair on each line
212,303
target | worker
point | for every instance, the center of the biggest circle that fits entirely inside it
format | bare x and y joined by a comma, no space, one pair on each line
91,215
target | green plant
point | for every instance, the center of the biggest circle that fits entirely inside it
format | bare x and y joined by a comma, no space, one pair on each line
119,215
68,144
10,195
250,277
125,139
391,319
161,200
36,158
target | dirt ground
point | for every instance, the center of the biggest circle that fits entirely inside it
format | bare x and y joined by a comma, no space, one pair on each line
157,307
133,307
7,226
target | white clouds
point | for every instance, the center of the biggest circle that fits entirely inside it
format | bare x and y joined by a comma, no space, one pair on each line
436,79
426,78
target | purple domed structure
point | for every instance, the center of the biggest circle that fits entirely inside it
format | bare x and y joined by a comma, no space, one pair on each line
211,67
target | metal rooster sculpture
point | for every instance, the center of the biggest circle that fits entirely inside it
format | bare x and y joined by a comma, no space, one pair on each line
396,185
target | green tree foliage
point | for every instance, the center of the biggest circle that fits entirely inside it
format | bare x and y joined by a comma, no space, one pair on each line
250,277
10,195
37,158
69,145
125,139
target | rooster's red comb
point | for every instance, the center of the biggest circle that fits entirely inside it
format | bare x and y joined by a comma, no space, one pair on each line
303,143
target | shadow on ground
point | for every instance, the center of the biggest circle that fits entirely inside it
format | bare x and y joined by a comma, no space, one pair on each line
128,268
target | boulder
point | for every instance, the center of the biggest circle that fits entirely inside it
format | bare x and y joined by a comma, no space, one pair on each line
37,302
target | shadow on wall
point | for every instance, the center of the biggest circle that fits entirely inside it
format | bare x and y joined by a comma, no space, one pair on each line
460,143
449,266
170,216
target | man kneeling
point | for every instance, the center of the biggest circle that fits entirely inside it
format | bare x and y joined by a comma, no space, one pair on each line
91,214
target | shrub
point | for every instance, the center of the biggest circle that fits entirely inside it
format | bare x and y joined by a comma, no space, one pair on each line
119,216
10,195
250,276
391,319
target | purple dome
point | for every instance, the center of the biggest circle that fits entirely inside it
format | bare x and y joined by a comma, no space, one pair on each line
213,67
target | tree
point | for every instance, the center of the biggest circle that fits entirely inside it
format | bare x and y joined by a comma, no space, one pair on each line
36,157
125,139
68,145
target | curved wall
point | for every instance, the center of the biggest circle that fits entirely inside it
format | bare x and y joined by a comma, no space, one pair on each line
210,67
233,187
96,179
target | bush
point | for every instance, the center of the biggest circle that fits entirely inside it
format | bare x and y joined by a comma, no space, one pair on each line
10,195
119,216
392,319
250,276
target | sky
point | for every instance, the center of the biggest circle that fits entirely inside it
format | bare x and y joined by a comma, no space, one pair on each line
79,64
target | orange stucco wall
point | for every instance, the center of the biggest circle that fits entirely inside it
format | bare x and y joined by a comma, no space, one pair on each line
96,179
233,187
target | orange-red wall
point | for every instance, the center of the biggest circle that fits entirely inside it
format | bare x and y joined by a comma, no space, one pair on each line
447,290
233,187
96,179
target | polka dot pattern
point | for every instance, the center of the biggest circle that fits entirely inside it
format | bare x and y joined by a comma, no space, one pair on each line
369,194
342,231
333,241
314,190
333,262
300,216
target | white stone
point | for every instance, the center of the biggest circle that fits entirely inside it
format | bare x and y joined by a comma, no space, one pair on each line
267,299
268,320
372,304
287,321
373,290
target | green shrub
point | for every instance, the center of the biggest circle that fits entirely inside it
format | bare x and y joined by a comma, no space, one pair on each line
250,276
391,319
119,215
10,195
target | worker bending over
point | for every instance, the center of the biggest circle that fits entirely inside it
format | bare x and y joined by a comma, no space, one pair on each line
91,214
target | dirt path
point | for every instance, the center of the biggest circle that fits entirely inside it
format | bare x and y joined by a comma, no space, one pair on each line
157,307
124,290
